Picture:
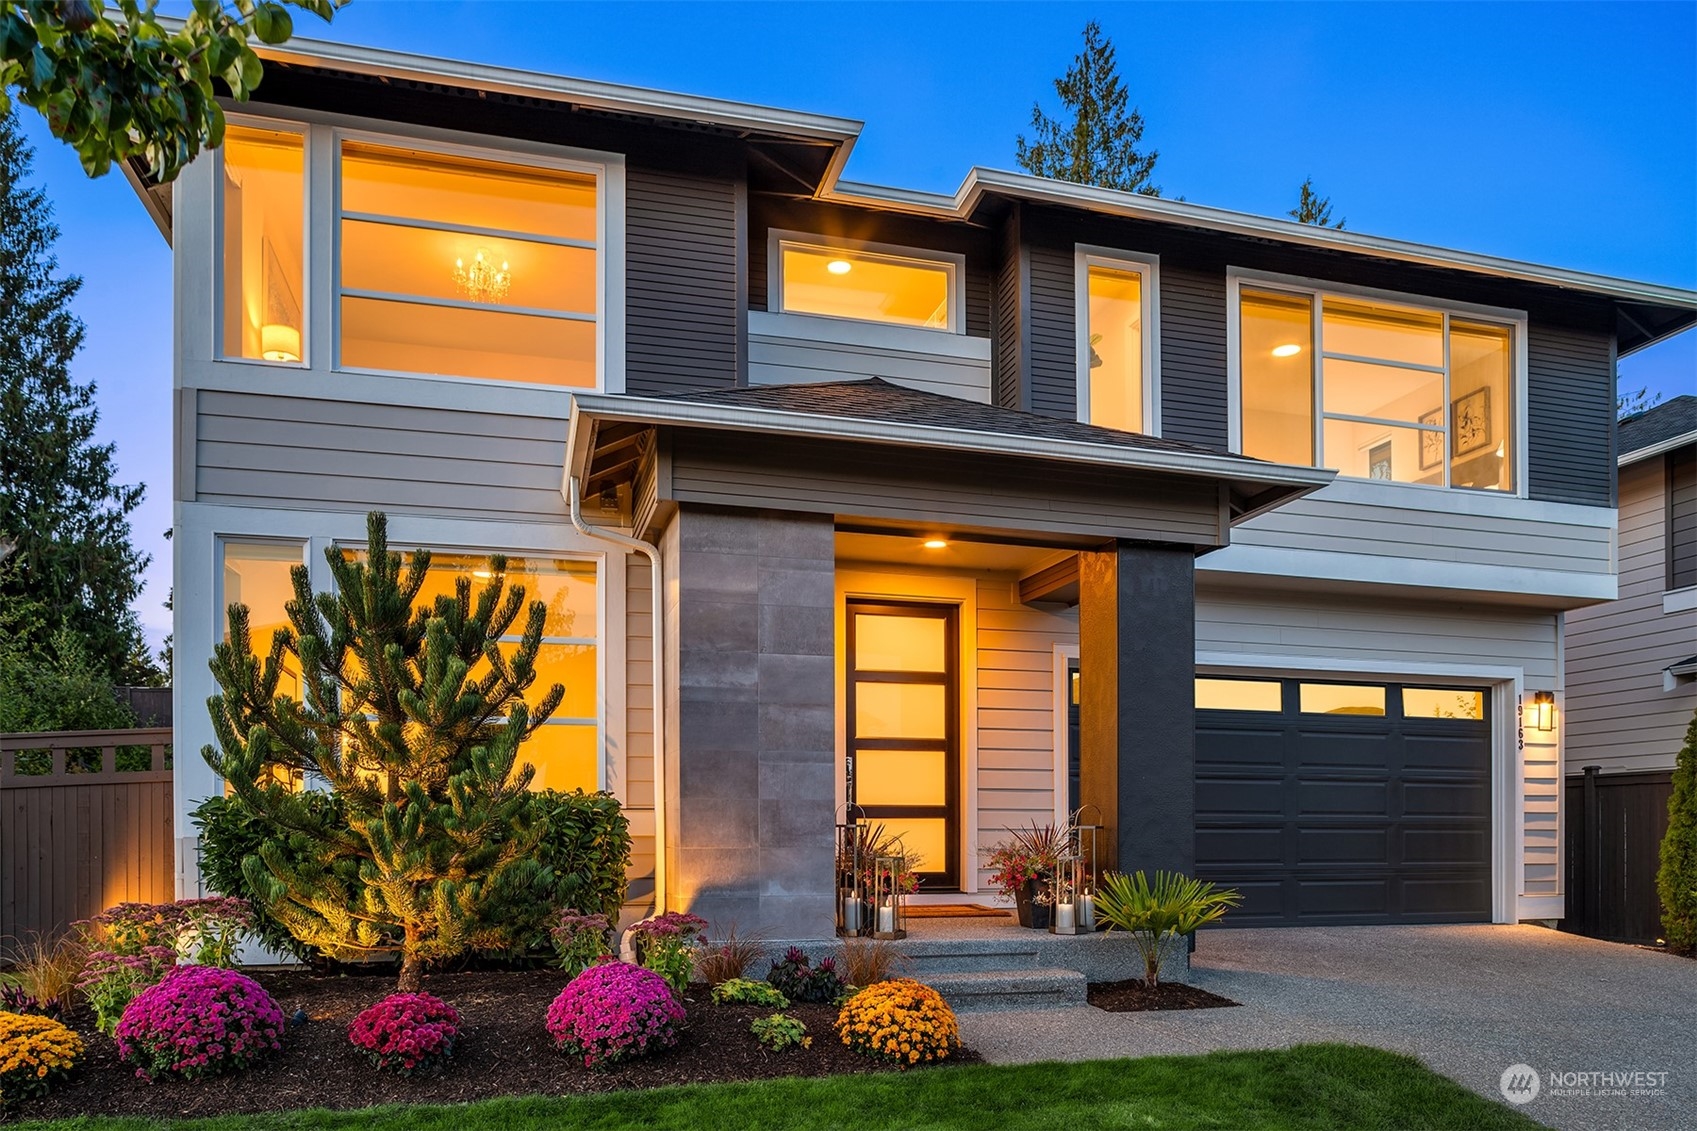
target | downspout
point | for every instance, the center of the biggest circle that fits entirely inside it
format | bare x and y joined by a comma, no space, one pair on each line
657,596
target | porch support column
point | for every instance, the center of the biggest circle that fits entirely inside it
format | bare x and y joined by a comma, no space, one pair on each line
1137,715
752,745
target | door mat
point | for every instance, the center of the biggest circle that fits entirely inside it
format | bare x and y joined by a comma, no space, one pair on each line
954,911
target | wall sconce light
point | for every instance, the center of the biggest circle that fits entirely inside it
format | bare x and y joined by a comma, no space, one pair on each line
279,342
1544,710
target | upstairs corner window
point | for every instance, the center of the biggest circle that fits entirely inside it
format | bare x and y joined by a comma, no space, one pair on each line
263,223
871,286
259,575
1114,343
1377,390
468,267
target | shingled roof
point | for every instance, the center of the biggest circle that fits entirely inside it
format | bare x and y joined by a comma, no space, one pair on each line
1658,425
874,398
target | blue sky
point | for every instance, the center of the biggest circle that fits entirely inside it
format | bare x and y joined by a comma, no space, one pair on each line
1561,134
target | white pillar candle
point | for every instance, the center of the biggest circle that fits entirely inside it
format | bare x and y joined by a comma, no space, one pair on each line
851,913
1063,917
1087,911
887,918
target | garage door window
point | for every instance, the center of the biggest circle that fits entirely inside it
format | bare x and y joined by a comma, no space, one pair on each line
1442,703
1239,695
1342,699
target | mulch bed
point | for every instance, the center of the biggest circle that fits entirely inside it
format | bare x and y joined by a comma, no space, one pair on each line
503,1050
1132,996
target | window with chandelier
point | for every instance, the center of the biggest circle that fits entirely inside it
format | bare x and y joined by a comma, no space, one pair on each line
465,266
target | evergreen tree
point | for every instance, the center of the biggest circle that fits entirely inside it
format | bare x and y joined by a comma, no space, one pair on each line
1099,144
1676,880
1312,208
413,718
59,501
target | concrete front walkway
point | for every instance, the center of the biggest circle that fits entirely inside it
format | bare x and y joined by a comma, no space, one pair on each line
1469,1001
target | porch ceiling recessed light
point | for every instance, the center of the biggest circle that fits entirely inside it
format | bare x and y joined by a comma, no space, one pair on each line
1289,349
839,266
936,544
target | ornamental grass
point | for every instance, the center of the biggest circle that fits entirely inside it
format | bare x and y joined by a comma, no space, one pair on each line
900,1021
35,1054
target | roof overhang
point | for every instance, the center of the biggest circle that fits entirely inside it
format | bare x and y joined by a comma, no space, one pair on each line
1660,447
1254,486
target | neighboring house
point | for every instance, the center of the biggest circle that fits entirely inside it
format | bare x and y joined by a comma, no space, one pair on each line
1632,677
898,465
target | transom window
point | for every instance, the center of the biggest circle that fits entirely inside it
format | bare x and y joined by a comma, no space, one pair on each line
869,283
1115,341
469,267
1376,389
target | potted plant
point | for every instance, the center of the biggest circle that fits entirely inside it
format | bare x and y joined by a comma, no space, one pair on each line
1023,867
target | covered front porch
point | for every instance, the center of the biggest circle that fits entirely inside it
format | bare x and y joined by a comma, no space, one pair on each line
878,597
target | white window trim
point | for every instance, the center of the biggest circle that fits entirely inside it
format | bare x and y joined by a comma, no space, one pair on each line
1514,320
955,264
305,281
1148,267
321,250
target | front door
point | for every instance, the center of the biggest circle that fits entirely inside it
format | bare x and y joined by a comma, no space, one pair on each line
903,728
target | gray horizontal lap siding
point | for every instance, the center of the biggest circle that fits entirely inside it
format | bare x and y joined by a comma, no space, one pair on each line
1570,415
1193,355
682,307
1050,331
1007,358
264,450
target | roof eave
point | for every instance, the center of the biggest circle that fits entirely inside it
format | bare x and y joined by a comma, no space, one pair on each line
1658,448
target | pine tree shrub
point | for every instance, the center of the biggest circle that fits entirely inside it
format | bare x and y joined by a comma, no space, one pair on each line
1676,880
613,1012
199,1021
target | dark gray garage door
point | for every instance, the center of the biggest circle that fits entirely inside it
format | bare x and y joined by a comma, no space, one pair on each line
1344,803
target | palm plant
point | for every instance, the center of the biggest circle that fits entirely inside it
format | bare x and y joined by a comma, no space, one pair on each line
1160,913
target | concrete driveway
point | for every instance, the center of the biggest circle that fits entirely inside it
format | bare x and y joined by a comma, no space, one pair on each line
1469,1001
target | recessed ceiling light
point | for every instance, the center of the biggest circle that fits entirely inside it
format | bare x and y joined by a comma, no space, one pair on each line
1289,349
936,544
838,266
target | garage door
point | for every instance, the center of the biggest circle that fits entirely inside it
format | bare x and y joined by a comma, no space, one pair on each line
1344,802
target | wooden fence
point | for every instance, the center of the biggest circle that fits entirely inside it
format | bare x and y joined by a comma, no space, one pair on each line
85,822
1615,824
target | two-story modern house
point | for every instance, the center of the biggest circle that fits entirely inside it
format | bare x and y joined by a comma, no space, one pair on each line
852,494
1632,681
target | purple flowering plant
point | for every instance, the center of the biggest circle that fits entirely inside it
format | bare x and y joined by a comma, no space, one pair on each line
667,944
613,1012
199,1021
580,941
407,1032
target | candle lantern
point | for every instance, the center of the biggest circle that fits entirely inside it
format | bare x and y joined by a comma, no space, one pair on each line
1086,846
1068,887
889,893
853,885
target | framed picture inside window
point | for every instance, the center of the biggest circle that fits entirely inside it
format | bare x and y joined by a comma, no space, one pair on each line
1470,417
1379,461
1432,443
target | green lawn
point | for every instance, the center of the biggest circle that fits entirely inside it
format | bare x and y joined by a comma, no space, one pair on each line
1314,1086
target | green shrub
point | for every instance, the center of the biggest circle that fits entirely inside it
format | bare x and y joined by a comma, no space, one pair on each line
746,991
798,980
1676,880
780,1031
1158,915
585,843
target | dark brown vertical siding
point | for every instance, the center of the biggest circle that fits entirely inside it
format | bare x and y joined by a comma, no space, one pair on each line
1193,355
1008,356
682,282
1052,345
1570,415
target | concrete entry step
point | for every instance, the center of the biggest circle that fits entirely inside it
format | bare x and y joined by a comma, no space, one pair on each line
926,957
985,991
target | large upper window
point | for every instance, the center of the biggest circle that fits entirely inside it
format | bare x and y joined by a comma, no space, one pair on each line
1114,349
263,220
1377,390
868,284
468,267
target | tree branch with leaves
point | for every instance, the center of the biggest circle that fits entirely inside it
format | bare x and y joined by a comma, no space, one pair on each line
116,81
1312,208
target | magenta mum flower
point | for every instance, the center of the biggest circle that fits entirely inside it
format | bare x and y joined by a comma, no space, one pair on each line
199,1021
406,1032
612,1012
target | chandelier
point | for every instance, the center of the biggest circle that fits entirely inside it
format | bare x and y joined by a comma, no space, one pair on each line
480,280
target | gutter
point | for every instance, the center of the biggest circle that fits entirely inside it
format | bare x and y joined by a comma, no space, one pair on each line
1658,448
658,641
